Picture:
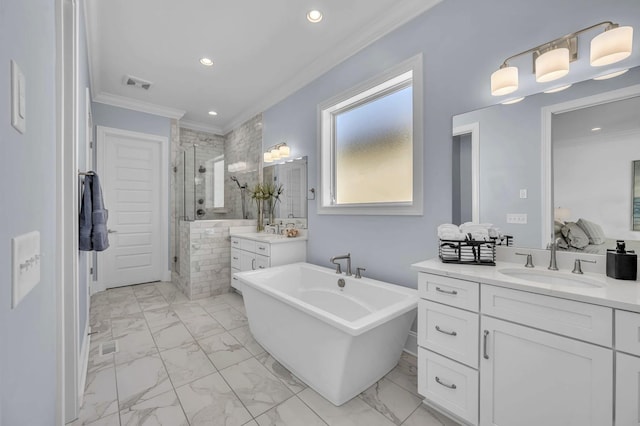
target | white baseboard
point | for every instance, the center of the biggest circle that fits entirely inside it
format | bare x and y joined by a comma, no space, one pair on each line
84,363
411,345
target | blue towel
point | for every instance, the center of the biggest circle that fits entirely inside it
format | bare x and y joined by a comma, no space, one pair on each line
93,217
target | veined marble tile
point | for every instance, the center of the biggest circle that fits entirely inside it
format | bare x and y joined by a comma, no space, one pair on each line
119,293
292,412
251,423
187,310
99,313
186,363
202,325
124,308
145,290
215,305
134,323
390,400
162,410
223,350
110,420
233,299
174,297
287,377
353,413
257,388
101,330
405,374
424,416
244,336
210,401
211,302
152,302
172,336
97,361
100,395
135,345
141,380
158,319
230,318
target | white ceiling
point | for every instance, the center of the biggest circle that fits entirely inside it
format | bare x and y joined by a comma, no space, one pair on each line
263,51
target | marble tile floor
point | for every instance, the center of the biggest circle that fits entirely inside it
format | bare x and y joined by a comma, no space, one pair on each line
182,362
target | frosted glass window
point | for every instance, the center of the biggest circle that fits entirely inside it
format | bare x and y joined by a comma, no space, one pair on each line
371,146
374,155
215,183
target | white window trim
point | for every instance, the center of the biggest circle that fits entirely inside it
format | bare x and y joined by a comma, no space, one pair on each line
326,148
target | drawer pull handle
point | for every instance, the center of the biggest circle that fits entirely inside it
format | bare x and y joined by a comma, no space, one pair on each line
260,267
253,264
235,258
451,386
484,344
452,292
450,333
261,248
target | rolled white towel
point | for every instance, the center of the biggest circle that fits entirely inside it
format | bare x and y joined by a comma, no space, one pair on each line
448,227
452,235
480,235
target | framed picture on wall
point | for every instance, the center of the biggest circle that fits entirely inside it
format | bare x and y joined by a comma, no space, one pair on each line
635,201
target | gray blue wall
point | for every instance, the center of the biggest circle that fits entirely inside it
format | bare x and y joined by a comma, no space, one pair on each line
28,194
463,42
134,121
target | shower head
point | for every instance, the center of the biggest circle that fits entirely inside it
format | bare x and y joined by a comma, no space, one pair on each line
235,179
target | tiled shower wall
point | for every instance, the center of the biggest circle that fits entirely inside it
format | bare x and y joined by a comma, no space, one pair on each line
199,268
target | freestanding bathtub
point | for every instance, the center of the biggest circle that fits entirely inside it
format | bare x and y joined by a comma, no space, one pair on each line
338,341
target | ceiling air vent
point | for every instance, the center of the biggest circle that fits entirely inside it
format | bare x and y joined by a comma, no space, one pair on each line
130,80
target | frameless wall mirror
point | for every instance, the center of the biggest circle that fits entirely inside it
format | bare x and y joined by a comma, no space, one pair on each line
292,175
540,157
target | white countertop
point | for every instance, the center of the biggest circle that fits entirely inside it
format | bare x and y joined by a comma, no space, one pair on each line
618,294
263,237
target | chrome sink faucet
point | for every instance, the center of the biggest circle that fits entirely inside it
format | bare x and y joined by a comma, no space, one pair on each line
553,248
338,269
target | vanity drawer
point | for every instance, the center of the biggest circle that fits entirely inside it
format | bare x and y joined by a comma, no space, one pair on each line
235,242
235,258
450,291
262,262
448,384
628,332
449,331
578,320
248,245
262,248
235,282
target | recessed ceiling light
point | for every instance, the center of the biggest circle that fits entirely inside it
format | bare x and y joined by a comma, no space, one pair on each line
558,89
206,62
611,75
596,129
314,16
512,101
213,113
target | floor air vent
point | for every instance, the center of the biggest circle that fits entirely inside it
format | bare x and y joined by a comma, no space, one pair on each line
107,348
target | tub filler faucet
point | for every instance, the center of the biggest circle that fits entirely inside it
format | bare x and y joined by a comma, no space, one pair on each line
338,269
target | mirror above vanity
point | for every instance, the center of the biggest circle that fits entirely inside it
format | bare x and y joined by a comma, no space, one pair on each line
292,175
570,154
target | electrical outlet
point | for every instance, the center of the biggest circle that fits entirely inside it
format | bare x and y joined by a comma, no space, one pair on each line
517,218
523,193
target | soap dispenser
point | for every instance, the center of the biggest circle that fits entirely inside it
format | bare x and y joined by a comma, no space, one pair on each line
622,264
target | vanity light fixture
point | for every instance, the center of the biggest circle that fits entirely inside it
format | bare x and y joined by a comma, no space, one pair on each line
276,152
513,101
551,59
213,113
596,129
611,75
206,62
314,16
558,89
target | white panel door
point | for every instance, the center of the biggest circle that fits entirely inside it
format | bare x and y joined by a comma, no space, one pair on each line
131,177
627,390
533,378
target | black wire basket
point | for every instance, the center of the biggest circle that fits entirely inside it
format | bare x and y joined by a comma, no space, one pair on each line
472,252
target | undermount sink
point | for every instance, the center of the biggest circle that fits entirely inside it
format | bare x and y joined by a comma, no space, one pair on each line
542,276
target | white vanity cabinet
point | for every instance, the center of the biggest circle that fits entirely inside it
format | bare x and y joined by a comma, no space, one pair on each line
494,356
627,368
253,252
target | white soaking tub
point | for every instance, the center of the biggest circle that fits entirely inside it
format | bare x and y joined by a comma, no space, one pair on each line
338,341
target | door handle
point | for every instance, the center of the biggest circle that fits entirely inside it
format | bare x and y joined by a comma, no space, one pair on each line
253,264
111,231
484,344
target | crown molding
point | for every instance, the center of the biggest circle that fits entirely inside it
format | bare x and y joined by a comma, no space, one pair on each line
200,127
399,15
136,105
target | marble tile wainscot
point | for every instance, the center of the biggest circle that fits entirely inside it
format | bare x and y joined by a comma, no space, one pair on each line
205,268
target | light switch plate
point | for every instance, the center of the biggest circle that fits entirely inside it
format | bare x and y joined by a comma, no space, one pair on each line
523,193
18,98
26,264
519,218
